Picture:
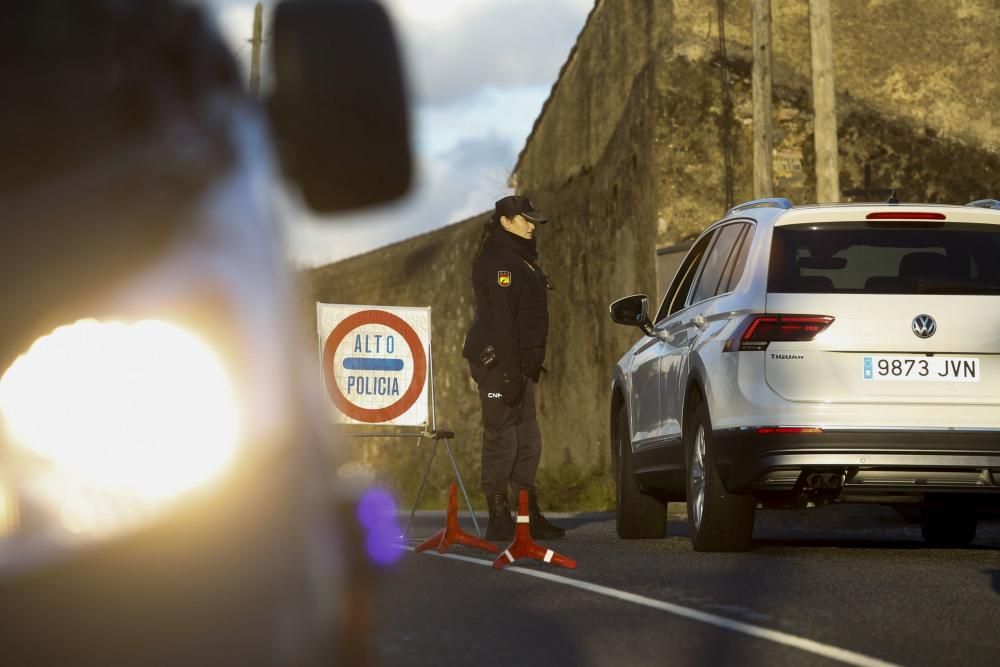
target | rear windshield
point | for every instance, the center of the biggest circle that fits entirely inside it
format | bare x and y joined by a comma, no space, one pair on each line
885,259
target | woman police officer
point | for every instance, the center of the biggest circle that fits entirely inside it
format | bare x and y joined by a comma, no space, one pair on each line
505,346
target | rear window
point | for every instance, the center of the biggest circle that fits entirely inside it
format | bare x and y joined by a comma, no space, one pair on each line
882,258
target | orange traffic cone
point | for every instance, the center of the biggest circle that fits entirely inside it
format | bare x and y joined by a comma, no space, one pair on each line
451,533
524,547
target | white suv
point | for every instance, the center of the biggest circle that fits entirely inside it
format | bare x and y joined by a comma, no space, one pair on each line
814,354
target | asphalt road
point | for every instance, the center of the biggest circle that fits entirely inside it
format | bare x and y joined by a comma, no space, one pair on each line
835,585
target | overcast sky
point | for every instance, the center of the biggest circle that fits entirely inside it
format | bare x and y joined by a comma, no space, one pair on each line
479,72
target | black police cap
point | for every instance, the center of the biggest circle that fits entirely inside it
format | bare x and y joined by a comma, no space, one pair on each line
512,205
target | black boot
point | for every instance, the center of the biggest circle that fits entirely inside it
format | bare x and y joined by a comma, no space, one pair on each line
501,526
541,528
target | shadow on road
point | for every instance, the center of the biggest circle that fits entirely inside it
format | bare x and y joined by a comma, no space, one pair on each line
849,531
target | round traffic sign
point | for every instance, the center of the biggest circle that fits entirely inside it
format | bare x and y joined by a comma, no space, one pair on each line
374,366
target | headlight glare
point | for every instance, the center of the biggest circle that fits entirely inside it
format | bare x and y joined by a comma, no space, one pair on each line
115,418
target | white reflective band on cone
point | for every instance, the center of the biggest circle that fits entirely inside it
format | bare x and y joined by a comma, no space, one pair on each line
522,519
506,552
549,553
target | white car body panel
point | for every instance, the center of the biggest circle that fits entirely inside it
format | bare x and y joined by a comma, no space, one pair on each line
819,383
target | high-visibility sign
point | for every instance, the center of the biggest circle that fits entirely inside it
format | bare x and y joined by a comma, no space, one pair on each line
375,362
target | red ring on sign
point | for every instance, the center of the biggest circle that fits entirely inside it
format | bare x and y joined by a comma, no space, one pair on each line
409,397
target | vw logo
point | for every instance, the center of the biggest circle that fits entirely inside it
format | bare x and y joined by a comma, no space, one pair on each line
924,326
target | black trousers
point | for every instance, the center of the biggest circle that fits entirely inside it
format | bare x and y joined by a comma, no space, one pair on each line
512,443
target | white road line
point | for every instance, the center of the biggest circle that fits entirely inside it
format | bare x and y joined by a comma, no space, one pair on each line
793,641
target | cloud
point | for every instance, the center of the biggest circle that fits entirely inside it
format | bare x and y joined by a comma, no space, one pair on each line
509,112
489,42
235,22
453,47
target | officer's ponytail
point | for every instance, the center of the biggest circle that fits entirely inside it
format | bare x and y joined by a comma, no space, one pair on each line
488,230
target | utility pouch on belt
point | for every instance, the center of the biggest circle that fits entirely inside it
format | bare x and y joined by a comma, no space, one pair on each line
488,357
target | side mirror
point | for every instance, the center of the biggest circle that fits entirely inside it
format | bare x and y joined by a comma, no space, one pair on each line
338,109
633,311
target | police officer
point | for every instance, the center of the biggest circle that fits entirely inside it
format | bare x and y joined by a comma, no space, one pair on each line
505,347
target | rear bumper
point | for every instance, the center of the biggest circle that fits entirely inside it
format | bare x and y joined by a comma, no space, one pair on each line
876,463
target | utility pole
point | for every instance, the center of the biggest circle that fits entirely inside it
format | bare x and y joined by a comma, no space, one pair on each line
257,41
763,131
725,126
824,102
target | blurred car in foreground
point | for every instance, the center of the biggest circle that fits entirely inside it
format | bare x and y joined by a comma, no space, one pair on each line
817,354
165,462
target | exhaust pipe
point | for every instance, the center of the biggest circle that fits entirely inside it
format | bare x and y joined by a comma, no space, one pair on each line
823,480
833,480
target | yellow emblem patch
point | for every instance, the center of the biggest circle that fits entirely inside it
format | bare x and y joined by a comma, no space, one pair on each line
503,278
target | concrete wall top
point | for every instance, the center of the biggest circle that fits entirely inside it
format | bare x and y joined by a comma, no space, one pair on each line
933,64
592,92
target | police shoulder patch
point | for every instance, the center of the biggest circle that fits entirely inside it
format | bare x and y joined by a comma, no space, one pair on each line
503,278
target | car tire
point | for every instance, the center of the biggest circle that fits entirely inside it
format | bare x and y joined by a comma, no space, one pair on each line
637,516
717,519
948,526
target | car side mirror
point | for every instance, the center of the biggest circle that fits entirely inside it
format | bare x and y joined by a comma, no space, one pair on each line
633,311
338,109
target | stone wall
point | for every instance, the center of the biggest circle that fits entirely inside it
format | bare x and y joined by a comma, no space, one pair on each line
628,154
930,63
918,161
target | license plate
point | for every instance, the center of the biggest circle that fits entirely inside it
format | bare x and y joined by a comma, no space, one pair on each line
913,368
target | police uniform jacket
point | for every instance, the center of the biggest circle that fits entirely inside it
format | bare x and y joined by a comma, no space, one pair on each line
511,306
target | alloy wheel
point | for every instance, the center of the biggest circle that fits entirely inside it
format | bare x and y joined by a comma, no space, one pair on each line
698,475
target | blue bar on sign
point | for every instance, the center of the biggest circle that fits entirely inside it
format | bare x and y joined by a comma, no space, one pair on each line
363,364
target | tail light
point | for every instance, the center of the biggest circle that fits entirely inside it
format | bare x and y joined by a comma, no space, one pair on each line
771,430
759,331
905,215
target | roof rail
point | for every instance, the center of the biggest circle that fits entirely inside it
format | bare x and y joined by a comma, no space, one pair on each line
985,203
771,202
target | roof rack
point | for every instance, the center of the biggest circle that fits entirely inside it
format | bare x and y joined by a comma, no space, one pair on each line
771,202
985,203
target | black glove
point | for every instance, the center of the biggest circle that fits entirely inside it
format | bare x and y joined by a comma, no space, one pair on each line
513,389
535,372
